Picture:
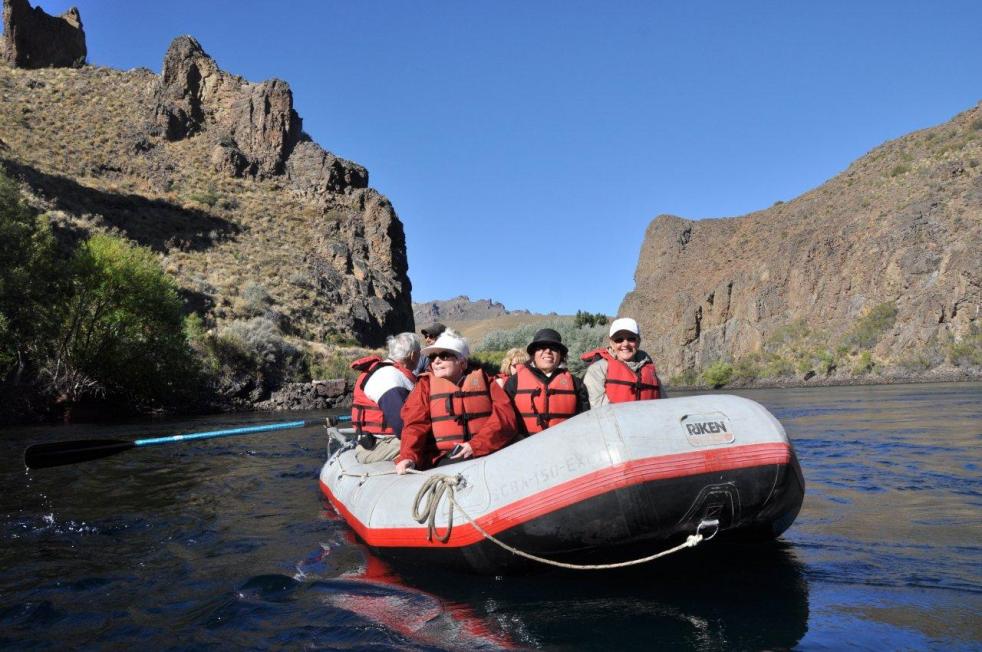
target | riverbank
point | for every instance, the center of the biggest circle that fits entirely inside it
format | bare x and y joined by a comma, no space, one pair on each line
888,377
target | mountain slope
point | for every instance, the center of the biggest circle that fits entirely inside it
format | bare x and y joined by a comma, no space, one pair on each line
897,235
216,175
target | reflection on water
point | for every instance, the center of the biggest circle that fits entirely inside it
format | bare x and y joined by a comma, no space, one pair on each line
227,543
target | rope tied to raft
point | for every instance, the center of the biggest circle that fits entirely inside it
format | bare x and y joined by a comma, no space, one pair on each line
432,492
438,486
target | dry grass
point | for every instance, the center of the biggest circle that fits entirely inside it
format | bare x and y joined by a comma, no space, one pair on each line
79,139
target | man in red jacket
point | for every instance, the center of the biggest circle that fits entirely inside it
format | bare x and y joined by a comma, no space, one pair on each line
455,412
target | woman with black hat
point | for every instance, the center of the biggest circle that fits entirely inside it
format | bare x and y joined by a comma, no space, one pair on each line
543,391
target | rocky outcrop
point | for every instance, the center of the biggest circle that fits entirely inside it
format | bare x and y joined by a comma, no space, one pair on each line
315,395
359,269
356,261
255,129
33,39
902,226
460,308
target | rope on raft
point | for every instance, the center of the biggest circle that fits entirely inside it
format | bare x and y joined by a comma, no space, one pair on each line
438,486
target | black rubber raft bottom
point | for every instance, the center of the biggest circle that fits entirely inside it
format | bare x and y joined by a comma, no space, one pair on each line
753,504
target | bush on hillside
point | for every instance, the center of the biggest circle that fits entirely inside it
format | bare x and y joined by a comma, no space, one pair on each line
968,351
577,339
584,318
869,328
718,374
119,332
28,275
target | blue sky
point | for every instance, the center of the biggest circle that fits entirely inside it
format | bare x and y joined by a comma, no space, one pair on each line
527,145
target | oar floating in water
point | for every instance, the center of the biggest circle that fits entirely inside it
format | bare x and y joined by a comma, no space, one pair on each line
58,453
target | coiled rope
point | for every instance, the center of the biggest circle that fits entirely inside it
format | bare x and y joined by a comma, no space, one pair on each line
438,486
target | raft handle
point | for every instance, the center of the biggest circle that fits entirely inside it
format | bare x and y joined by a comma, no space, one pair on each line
708,522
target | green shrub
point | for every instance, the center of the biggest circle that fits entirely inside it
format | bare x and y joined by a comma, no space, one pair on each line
335,363
789,334
120,332
776,366
587,319
868,329
209,197
254,299
260,340
863,364
899,169
687,378
747,368
968,351
490,361
718,374
577,339
29,275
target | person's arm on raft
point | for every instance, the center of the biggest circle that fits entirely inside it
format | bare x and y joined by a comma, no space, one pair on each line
498,431
416,428
594,380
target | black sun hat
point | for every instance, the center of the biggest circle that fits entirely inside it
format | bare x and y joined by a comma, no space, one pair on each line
546,336
433,330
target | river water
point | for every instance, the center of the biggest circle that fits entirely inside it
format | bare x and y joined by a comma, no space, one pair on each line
228,544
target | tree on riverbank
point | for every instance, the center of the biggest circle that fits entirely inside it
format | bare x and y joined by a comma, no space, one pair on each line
101,322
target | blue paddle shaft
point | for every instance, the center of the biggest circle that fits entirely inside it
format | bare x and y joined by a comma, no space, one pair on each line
231,432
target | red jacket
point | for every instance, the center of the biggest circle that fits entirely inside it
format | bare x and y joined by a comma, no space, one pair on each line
418,443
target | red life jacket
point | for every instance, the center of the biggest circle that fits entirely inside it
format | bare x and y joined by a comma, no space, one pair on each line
457,412
366,415
540,405
622,383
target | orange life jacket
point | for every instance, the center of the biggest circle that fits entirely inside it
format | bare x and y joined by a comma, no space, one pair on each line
366,415
457,412
623,384
540,405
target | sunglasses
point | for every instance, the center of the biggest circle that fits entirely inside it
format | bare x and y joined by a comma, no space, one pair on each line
444,355
621,338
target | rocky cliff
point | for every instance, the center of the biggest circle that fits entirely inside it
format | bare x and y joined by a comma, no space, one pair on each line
215,173
886,256
33,39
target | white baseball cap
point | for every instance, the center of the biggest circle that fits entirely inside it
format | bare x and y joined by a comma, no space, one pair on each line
449,341
624,324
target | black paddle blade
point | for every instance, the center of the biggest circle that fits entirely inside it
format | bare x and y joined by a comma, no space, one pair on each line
42,456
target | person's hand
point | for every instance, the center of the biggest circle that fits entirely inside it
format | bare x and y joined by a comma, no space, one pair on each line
464,452
404,466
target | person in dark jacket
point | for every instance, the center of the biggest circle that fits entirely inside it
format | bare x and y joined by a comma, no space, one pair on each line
430,334
543,391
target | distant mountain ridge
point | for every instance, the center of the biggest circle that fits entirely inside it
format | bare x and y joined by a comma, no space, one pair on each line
460,308
880,267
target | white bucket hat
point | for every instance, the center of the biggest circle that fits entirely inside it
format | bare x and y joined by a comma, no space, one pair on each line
449,341
624,324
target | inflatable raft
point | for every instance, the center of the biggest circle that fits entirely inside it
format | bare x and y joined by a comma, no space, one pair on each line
615,482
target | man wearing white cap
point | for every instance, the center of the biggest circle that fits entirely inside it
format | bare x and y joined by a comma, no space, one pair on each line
455,412
621,372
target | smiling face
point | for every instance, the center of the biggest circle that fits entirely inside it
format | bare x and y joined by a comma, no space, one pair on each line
624,344
445,364
546,359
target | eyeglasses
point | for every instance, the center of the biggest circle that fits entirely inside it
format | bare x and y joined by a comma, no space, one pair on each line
547,347
444,355
621,338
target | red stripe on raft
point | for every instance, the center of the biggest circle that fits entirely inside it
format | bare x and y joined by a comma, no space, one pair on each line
570,492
